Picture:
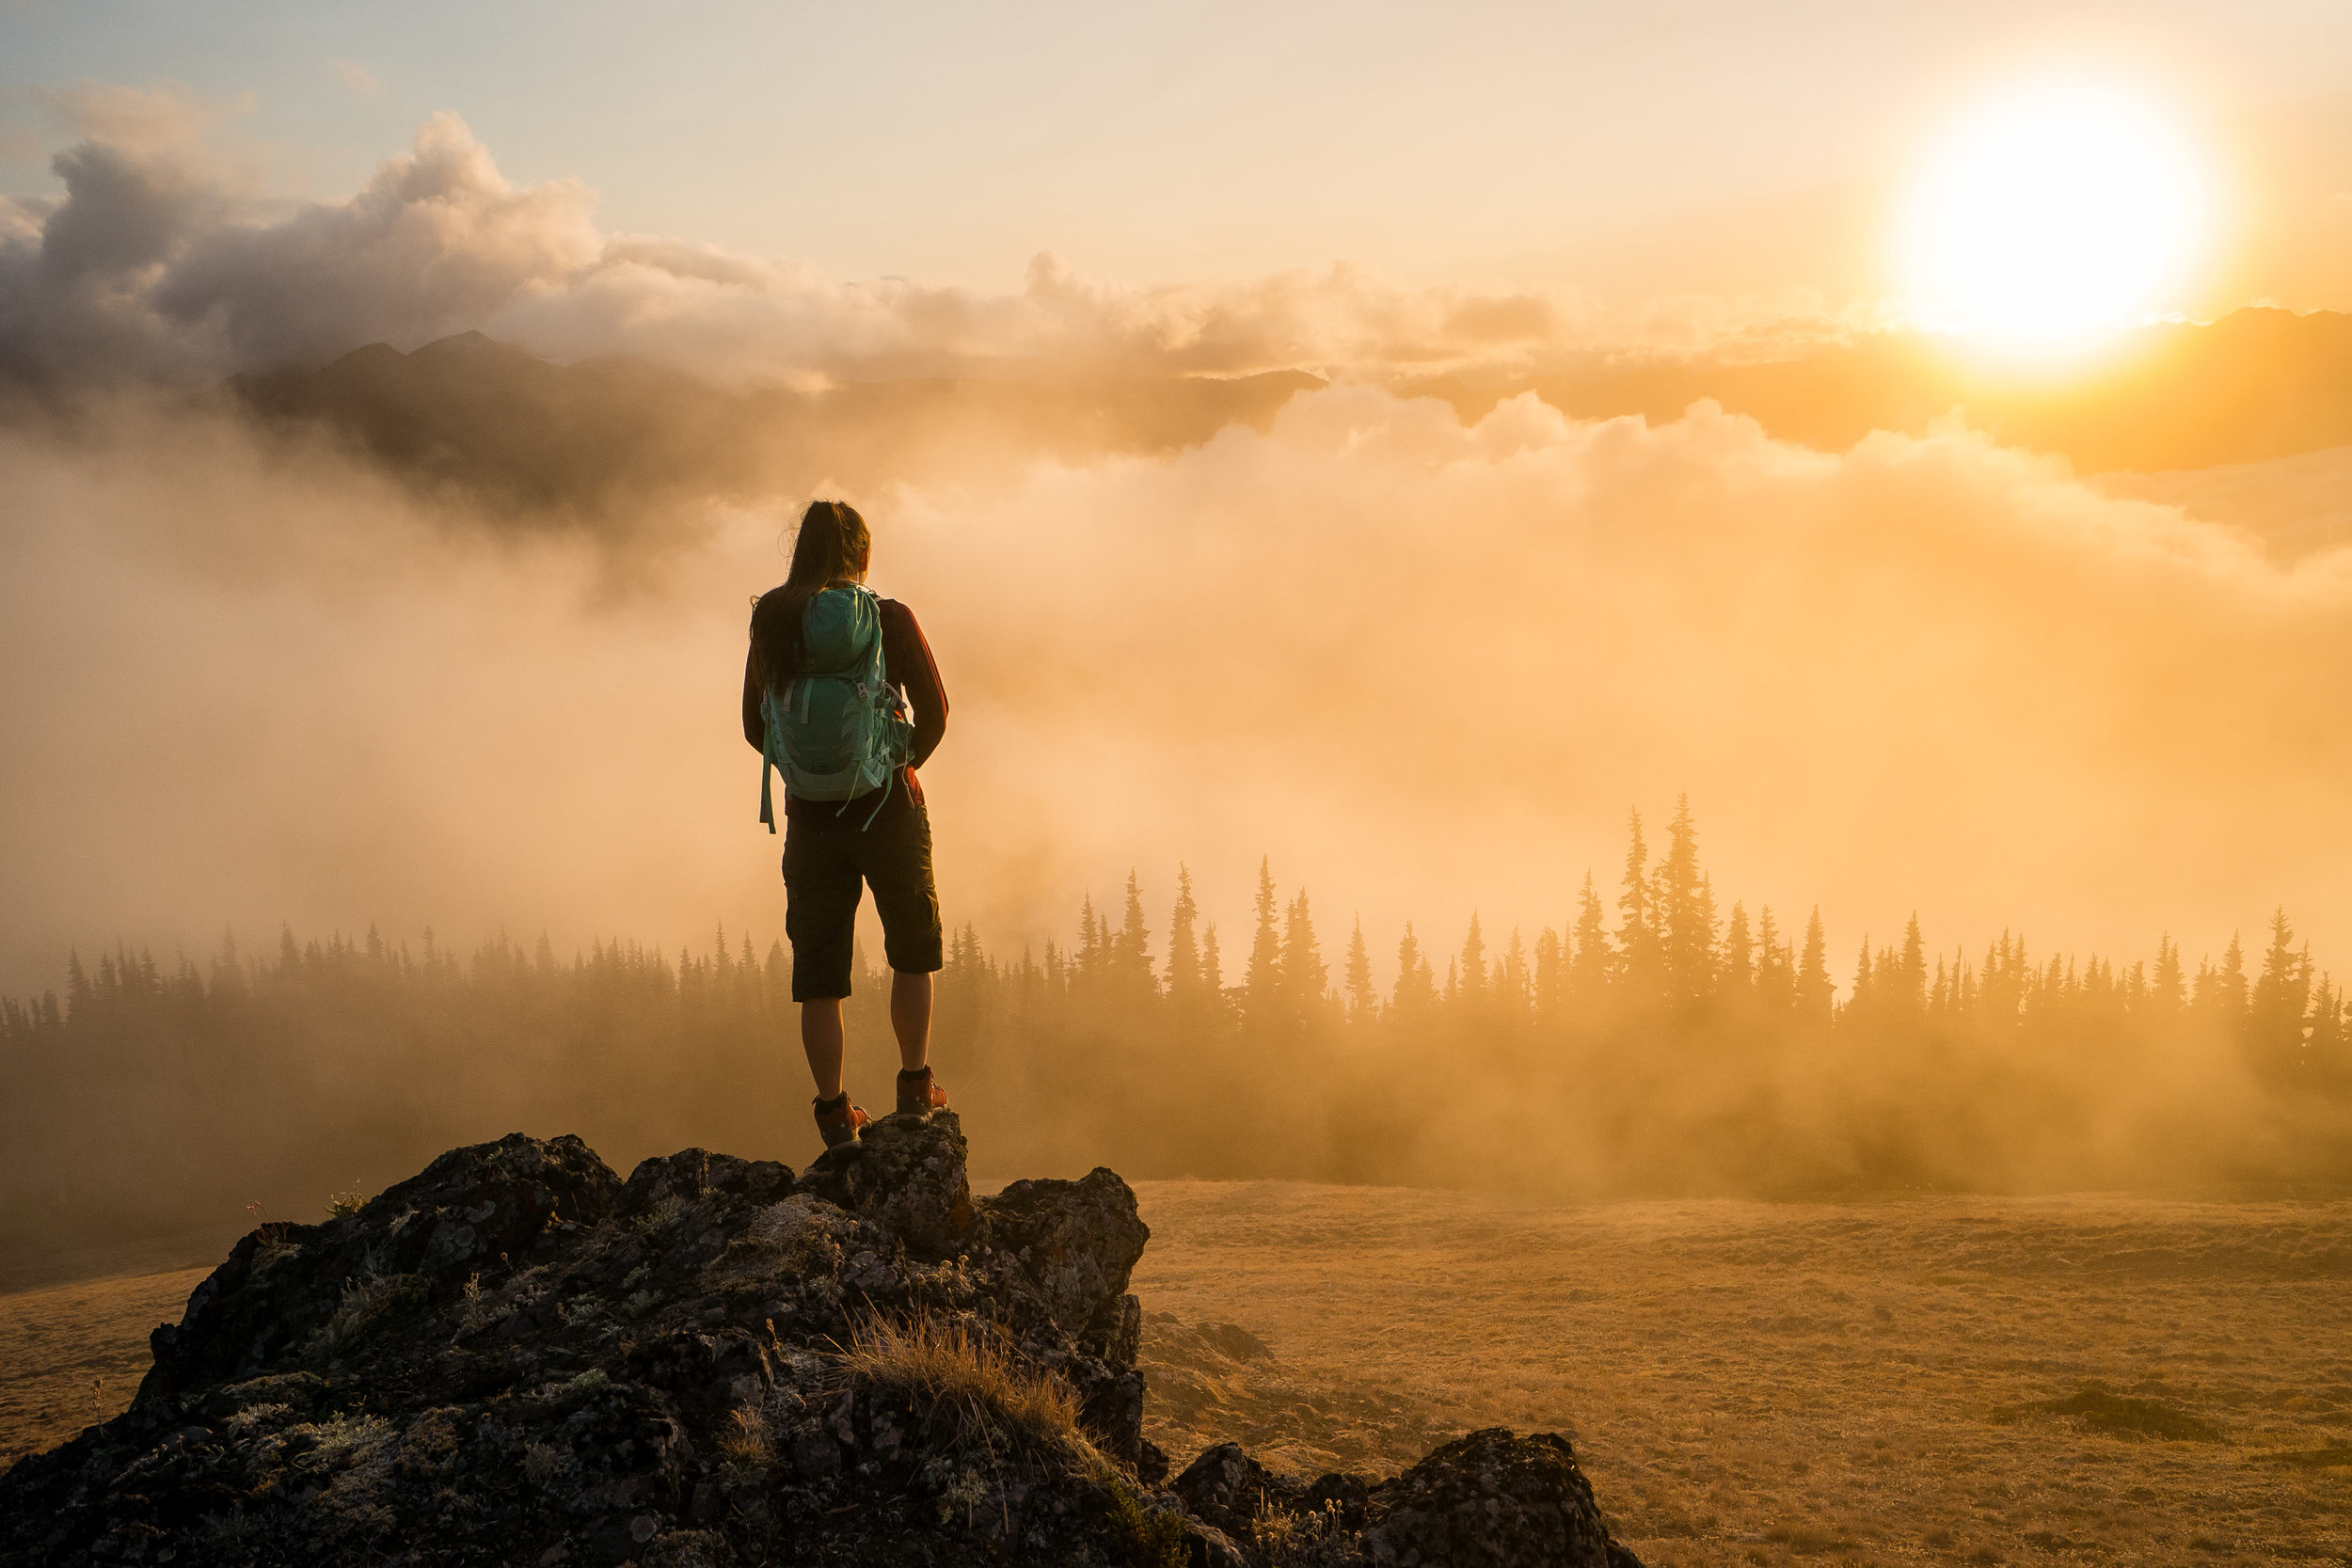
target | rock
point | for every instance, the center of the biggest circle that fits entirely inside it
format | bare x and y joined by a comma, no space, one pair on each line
906,1175
1068,1247
517,1357
1492,1499
286,1285
1227,1488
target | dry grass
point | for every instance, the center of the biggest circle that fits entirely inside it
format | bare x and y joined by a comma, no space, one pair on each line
71,1354
1801,1383
978,1384
748,1438
1290,1539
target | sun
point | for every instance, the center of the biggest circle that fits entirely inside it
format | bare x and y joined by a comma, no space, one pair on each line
2051,213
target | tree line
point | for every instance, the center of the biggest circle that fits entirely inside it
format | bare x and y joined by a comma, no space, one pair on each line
1654,1044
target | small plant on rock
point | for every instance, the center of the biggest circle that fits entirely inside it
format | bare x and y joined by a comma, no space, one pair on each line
1292,1540
1148,1537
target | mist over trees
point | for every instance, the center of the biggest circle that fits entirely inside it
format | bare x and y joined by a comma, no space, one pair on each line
1654,1044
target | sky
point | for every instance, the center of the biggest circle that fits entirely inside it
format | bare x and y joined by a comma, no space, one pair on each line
1679,149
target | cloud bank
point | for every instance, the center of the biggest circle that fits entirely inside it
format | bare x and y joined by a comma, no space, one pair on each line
1428,667
161,262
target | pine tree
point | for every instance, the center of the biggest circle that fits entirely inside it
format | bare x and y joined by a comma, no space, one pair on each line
2230,986
1912,968
1738,953
1550,990
1473,990
1090,954
1184,951
2275,1016
1682,912
1261,983
1638,958
1306,980
1775,974
1591,961
1131,950
1814,994
1859,1001
1512,992
2166,991
1416,987
1212,966
1363,1003
2324,1043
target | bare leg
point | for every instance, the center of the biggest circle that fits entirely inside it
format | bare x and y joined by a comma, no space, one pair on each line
910,1020
820,1036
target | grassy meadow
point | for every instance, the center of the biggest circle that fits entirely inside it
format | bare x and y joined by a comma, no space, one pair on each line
1978,1379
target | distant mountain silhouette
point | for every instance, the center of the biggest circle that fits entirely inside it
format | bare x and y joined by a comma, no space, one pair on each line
594,443
2257,384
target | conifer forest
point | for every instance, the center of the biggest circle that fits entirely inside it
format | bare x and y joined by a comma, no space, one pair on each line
1654,1043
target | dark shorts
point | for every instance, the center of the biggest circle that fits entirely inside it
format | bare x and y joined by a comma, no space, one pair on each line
828,862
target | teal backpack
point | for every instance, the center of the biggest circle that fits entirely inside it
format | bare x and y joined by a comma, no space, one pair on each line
838,728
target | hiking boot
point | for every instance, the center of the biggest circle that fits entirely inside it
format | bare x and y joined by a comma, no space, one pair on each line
918,1095
839,1121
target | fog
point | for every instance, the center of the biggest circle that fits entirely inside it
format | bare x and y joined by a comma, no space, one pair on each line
1425,667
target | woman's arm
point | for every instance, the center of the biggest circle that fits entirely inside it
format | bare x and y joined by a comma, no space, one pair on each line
914,670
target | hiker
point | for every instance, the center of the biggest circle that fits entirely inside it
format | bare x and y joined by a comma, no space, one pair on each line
842,700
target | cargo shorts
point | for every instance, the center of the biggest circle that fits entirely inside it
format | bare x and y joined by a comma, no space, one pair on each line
829,861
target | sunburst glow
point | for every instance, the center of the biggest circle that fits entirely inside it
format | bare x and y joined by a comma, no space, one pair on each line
2055,212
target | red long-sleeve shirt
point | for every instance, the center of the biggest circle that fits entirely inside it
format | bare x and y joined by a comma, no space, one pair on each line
907,660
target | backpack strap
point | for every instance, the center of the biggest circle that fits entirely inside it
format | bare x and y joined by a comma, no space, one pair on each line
766,767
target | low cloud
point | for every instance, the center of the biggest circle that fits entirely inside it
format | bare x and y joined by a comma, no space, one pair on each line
1427,666
163,262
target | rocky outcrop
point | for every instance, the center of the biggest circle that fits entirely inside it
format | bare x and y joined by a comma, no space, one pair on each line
517,1357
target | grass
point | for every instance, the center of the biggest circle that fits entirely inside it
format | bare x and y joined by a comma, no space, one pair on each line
987,1396
980,1386
2336,1457
1287,1540
1654,1331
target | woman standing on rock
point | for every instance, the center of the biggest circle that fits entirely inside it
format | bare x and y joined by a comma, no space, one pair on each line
841,696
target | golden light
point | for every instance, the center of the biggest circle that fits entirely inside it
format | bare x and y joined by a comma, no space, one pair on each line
2053,212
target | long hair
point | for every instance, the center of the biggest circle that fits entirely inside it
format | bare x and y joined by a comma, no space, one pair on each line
832,545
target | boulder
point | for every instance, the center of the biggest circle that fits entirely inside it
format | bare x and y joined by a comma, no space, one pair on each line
517,1357
1492,1500
906,1175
